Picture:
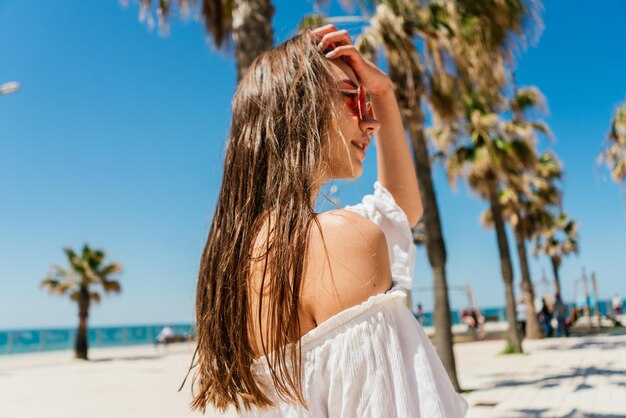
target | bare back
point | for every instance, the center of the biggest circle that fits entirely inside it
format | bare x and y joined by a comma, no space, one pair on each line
345,268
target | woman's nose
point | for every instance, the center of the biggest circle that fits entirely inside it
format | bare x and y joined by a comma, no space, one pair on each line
369,126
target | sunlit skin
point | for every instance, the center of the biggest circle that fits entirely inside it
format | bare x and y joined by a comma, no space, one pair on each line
345,156
394,162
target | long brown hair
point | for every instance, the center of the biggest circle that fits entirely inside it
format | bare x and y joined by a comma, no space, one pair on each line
282,113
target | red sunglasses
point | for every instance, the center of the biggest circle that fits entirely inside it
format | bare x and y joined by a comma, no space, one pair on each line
358,102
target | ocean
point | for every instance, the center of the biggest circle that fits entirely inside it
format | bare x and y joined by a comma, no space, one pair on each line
38,340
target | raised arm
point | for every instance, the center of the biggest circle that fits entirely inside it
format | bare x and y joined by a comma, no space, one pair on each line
396,171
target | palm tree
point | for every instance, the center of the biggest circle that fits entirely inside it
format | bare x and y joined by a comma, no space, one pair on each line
533,217
614,155
535,192
558,240
525,196
524,219
248,21
491,154
389,29
489,32
85,271
525,201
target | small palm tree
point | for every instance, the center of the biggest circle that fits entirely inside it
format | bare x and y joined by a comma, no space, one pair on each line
614,155
85,271
526,195
494,152
558,240
533,193
525,201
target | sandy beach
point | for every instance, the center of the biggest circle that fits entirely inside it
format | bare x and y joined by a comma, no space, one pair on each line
575,377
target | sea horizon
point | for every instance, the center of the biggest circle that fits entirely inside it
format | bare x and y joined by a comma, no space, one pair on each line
44,339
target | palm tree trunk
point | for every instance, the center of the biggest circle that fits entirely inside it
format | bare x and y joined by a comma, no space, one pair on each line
533,330
555,270
83,313
507,270
436,249
252,31
408,95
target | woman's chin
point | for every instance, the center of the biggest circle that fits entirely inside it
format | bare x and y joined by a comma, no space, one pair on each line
357,172
350,173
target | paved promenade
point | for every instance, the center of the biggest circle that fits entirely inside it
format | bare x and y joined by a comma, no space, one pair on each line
572,378
565,377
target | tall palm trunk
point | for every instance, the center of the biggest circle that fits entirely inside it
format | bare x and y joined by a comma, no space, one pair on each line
507,270
555,270
435,248
533,330
408,87
252,31
83,314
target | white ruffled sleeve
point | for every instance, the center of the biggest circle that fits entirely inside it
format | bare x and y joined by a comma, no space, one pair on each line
381,208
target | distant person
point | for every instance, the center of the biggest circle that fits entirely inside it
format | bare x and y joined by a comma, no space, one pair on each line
617,305
474,321
545,317
419,314
560,313
467,318
522,316
165,335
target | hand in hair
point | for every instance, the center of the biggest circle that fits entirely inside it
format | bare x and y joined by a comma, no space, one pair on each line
338,45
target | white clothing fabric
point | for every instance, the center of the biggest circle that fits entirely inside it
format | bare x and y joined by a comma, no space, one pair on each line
372,360
165,333
522,311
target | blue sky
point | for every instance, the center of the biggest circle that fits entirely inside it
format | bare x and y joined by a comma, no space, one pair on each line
117,135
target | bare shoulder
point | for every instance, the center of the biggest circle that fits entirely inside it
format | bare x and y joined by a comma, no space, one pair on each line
347,262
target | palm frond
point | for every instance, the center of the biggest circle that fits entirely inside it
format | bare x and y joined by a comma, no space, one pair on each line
110,269
486,218
443,95
527,98
367,43
542,127
111,286
215,14
72,257
85,271
95,297
58,287
312,21
614,154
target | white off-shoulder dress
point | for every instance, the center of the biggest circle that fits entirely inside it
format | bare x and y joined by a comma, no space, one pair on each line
372,360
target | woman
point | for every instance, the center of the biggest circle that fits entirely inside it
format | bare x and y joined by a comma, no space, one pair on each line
301,314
